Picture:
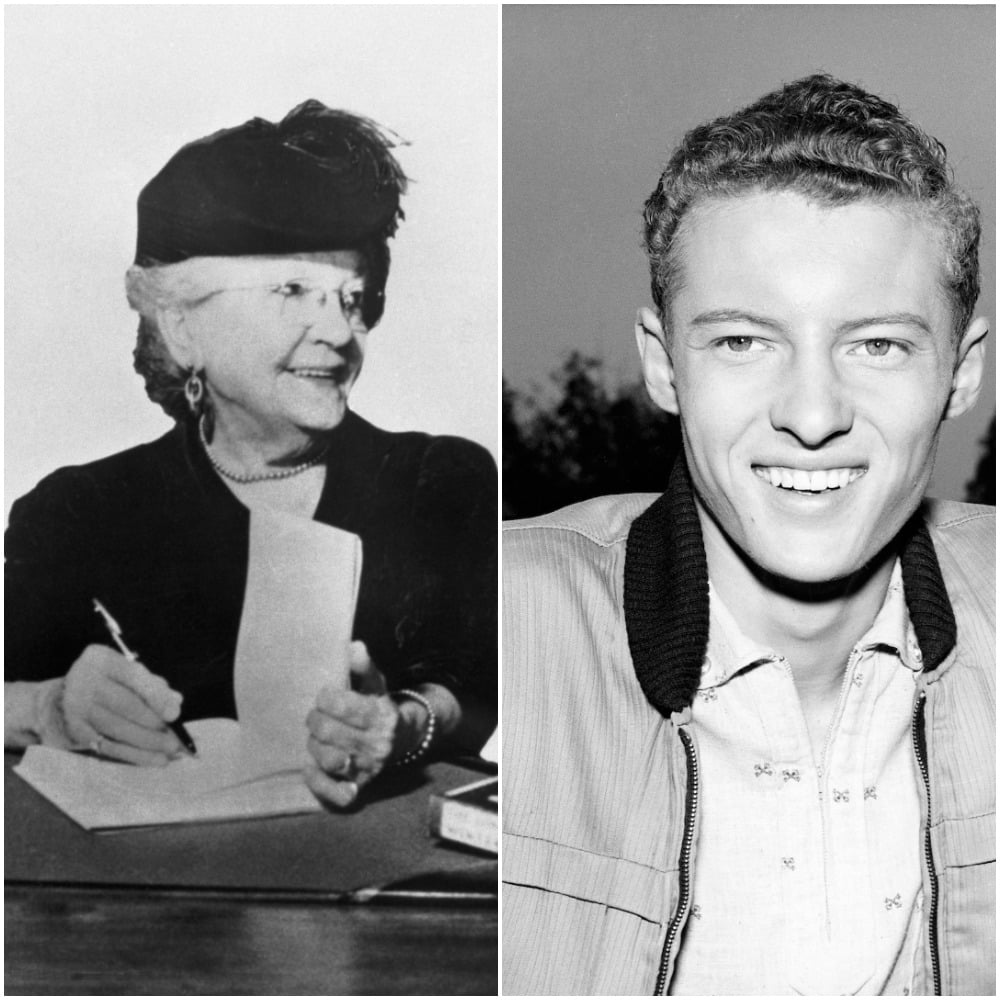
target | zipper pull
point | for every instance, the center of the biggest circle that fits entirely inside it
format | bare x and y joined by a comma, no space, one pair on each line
681,718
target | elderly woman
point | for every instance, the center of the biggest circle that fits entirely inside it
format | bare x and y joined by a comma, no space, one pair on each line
260,269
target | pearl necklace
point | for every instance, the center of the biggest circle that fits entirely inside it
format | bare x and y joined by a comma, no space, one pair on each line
260,477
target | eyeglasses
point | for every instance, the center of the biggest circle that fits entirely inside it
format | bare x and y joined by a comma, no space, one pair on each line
351,293
301,299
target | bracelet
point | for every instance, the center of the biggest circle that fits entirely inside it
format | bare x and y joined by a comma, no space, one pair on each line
418,751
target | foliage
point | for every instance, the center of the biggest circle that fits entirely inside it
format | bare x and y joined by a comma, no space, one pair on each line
589,441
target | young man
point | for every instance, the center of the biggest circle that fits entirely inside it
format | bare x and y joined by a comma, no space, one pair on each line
748,725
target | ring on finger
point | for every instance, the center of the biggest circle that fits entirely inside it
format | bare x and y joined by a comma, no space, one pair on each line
95,746
347,769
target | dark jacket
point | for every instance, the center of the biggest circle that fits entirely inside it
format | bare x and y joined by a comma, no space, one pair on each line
159,539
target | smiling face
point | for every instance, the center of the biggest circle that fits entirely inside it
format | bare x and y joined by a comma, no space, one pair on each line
281,344
811,361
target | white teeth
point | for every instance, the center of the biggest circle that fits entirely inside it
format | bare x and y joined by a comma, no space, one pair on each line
806,481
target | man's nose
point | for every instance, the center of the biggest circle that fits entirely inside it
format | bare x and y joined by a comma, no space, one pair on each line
812,402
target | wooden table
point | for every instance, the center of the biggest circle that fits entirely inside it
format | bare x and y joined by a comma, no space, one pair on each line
295,906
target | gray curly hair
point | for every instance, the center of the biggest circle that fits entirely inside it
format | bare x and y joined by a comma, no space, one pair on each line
163,377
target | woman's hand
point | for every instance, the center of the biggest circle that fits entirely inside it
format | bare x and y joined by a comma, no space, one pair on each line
115,706
354,734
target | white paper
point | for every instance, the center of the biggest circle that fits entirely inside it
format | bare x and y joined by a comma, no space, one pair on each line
222,782
226,758
491,751
298,616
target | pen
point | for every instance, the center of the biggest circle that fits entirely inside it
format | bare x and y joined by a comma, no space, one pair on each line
115,631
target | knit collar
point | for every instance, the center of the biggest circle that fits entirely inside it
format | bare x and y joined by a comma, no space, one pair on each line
666,595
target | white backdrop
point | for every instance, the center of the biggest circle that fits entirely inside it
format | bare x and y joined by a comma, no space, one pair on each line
97,100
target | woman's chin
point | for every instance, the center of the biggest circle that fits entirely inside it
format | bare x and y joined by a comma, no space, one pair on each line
300,409
318,425
318,416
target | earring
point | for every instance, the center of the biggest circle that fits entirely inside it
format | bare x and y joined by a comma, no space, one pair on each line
194,393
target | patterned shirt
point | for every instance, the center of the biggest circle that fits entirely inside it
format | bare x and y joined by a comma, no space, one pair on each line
808,872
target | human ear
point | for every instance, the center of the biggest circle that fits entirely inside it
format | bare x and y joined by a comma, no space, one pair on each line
657,369
179,337
969,365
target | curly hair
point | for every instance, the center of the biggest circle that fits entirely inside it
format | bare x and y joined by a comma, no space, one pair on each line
835,144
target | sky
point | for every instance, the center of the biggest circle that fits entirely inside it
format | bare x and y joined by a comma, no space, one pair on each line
596,97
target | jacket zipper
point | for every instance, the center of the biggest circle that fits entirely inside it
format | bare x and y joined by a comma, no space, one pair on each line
690,811
920,749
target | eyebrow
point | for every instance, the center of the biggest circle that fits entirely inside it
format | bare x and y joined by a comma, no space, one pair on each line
889,319
715,316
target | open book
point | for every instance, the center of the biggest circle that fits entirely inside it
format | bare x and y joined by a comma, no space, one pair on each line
298,613
231,778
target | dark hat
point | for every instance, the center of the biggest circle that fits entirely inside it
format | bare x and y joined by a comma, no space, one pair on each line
317,180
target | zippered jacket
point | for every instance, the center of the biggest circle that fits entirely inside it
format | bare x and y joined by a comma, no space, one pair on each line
605,626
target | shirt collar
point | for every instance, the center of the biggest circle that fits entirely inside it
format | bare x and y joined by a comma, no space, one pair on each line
892,628
731,651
